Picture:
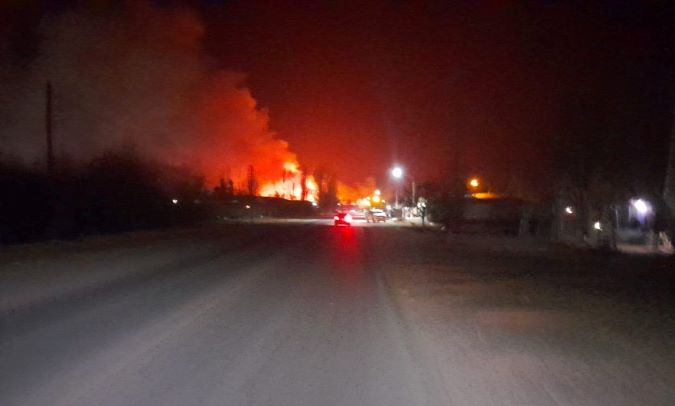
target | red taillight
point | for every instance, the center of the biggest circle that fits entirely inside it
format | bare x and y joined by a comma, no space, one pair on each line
336,218
348,218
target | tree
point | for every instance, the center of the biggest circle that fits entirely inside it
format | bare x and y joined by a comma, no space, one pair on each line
251,183
327,184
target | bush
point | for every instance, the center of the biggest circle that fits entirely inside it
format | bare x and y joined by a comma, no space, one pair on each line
116,191
24,206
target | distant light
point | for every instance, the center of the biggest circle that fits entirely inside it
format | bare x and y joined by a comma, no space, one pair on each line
248,206
474,182
314,204
377,192
388,207
597,226
569,210
397,172
484,195
363,202
348,218
174,201
641,206
376,199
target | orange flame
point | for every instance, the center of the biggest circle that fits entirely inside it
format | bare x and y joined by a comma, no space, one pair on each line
290,185
291,167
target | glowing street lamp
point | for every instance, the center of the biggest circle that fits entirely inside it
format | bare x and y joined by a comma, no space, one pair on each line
397,172
641,206
474,182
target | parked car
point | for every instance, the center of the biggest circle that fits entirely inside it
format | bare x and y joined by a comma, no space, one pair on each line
355,211
376,216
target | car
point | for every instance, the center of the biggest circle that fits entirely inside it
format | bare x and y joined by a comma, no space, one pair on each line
376,216
355,211
344,219
357,214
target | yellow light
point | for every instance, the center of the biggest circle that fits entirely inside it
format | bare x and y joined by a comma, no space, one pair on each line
474,182
484,195
377,192
376,199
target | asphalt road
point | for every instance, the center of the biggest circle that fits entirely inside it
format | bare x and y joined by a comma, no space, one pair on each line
309,314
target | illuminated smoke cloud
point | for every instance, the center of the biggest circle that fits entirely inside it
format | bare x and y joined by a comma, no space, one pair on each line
138,76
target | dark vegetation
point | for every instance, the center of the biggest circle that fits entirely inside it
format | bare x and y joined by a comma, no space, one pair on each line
114,192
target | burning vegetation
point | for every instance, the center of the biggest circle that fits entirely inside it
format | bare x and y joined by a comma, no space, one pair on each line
293,185
147,83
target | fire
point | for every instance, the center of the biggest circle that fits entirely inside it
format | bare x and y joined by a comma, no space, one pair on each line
353,193
290,186
291,167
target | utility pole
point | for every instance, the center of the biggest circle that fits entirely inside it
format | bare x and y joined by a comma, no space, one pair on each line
669,183
48,128
413,204
251,181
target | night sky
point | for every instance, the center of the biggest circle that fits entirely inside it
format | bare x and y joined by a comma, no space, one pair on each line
410,82
491,89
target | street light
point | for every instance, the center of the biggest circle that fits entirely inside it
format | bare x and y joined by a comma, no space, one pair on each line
641,206
474,182
397,173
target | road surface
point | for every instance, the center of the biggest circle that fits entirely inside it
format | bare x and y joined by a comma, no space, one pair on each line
309,314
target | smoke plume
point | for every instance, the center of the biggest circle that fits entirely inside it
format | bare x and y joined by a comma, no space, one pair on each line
137,75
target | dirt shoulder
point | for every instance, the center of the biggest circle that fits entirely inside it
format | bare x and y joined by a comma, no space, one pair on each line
540,325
